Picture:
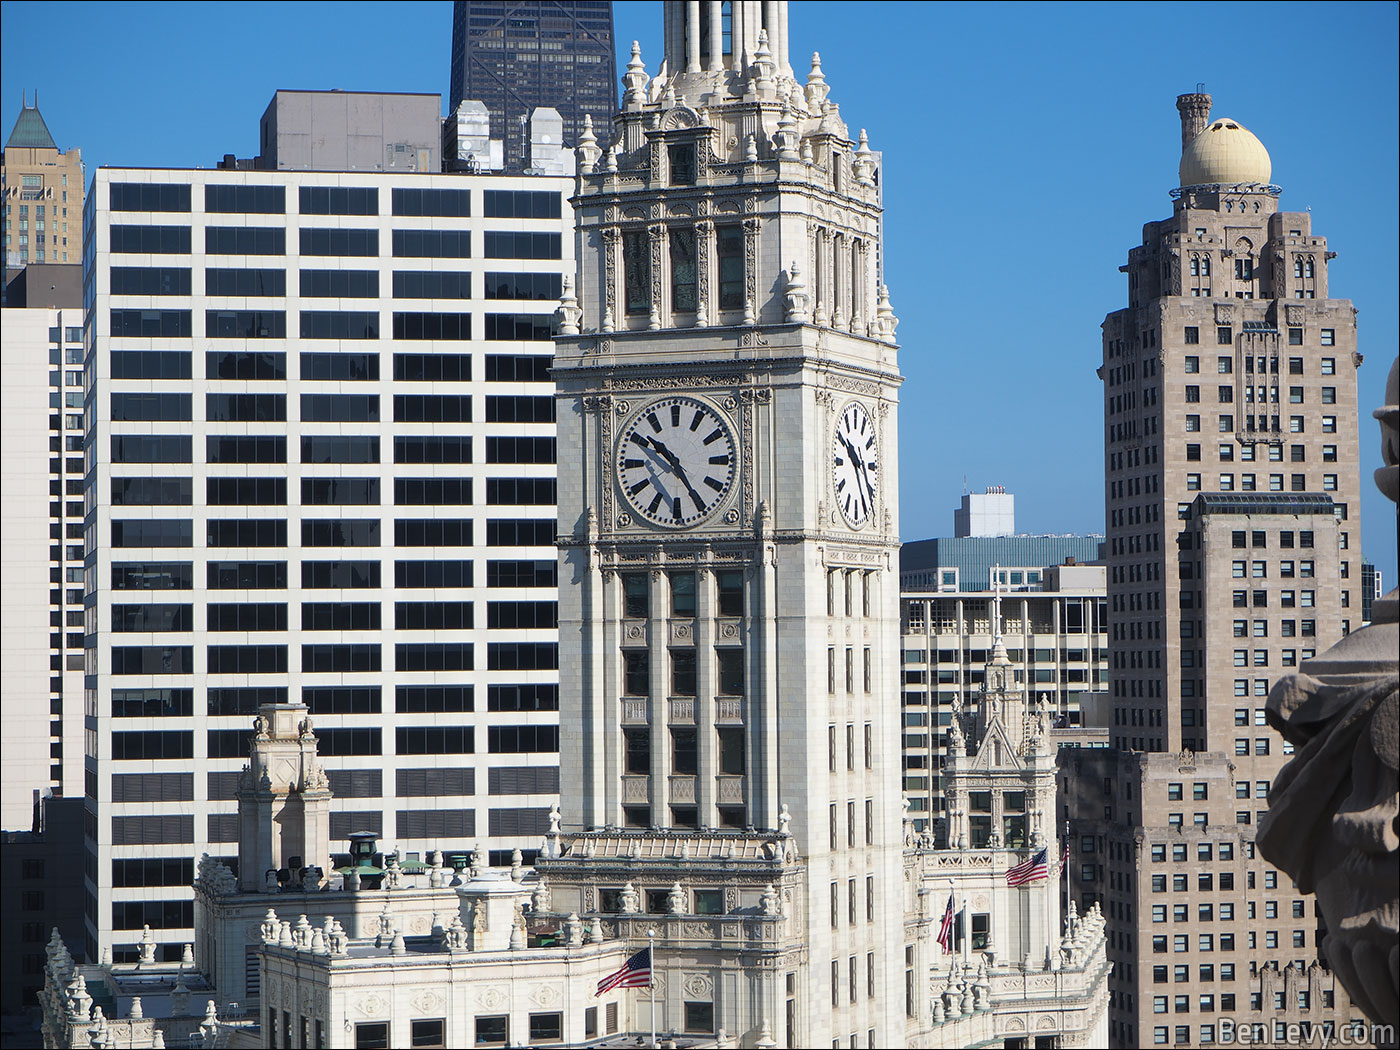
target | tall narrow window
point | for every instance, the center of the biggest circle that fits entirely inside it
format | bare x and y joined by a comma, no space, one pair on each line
729,250
683,274
682,161
636,271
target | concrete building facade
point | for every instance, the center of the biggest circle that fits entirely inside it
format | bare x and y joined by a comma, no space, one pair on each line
43,190
321,452
1233,554
41,535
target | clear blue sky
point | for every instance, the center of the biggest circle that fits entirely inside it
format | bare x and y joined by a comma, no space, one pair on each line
1025,146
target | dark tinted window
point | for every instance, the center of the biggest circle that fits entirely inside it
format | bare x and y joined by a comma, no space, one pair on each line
146,196
416,284
432,244
339,408
547,287
450,203
245,240
318,241
151,407
146,448
149,280
260,364
245,324
340,284
152,576
338,324
164,532
335,448
518,368
261,200
245,408
339,200
520,450
421,325
244,282
432,450
521,204
149,240
503,244
151,364
151,324
262,448
340,367
536,328
247,575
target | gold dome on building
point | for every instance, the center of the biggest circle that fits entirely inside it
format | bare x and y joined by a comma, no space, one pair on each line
1226,152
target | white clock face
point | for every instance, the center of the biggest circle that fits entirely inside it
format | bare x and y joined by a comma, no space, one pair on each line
855,464
675,461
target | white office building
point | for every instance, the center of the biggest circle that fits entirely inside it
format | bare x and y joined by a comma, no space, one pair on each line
320,469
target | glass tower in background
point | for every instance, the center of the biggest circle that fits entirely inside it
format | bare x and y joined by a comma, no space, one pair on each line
515,57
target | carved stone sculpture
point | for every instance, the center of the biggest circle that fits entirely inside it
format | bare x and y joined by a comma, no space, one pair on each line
1331,823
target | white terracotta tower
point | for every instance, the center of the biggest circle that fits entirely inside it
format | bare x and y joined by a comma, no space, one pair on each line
729,518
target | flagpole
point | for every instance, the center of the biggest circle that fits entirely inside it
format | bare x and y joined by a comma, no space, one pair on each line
1064,863
651,980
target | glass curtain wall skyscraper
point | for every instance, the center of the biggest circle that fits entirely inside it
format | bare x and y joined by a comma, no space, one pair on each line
515,57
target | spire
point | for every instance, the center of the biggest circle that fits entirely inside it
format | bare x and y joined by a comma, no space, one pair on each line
30,131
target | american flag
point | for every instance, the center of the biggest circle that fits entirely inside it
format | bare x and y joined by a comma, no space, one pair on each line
945,928
635,973
1032,870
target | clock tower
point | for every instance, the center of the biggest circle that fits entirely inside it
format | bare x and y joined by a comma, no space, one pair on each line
728,529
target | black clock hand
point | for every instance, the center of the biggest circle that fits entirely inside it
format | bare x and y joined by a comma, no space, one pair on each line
679,471
860,470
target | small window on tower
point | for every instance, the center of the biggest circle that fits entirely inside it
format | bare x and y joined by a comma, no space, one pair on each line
682,161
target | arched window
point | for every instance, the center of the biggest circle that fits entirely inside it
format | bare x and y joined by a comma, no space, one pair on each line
1308,267
1205,265
1297,266
1195,266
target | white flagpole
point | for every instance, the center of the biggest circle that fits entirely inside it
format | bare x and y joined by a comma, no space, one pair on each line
651,980
966,923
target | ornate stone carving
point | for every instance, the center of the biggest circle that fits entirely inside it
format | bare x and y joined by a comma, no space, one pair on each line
1331,822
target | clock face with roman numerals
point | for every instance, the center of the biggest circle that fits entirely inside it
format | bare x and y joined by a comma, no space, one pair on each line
675,461
855,464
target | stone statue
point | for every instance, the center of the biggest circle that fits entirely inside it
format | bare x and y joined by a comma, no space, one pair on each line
1331,823
784,819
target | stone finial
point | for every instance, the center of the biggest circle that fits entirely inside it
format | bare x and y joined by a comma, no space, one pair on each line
1331,819
518,937
863,161
573,931
270,926
454,938
817,88
595,931
106,958
770,903
763,65
610,161
885,320
148,946
158,1040
676,900
629,901
517,865
751,148
785,138
187,956
765,1037
397,946
795,299
634,81
567,311
541,900
587,150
